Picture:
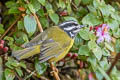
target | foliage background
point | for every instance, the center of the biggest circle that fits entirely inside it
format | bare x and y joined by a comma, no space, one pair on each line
98,57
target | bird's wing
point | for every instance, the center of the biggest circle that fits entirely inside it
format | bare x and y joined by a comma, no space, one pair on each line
50,49
37,40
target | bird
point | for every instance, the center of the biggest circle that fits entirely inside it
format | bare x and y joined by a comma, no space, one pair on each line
51,45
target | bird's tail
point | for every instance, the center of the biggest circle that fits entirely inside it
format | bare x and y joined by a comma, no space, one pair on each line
27,52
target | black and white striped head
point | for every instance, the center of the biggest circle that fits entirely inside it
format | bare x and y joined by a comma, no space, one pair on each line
71,27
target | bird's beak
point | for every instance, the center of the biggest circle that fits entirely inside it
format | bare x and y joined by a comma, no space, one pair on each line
81,26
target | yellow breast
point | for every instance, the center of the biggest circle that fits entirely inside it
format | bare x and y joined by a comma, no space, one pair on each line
64,40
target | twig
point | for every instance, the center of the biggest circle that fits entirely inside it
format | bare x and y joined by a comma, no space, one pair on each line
74,5
10,27
55,74
113,64
38,22
36,17
18,76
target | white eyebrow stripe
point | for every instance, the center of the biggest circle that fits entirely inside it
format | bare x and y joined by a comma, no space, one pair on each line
75,31
68,23
69,28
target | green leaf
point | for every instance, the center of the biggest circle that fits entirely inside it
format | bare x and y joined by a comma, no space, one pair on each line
83,50
92,36
1,29
44,22
84,34
77,2
9,74
48,6
113,24
20,25
92,44
103,73
91,19
30,24
41,13
31,8
13,10
42,2
61,4
70,18
10,4
23,65
1,69
109,46
36,5
40,67
97,52
105,10
12,63
19,71
86,2
69,10
117,46
54,17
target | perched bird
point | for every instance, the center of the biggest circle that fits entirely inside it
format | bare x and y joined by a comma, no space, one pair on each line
52,44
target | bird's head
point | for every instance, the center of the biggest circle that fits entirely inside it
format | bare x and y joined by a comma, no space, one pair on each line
71,27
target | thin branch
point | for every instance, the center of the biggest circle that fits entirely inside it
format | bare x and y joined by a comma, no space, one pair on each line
55,74
10,27
36,17
113,64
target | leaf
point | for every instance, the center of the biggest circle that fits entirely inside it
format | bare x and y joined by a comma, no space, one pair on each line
48,6
41,13
61,4
77,2
70,18
69,10
1,68
9,74
83,50
92,44
36,5
10,4
54,17
40,67
117,46
20,25
103,73
12,63
92,36
105,10
86,2
23,65
114,25
30,24
31,8
97,52
1,29
13,10
84,34
110,47
44,22
19,71
42,2
91,20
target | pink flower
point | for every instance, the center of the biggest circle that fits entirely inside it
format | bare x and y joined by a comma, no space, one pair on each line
102,33
90,76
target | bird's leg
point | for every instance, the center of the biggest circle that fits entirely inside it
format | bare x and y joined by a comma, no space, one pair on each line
54,71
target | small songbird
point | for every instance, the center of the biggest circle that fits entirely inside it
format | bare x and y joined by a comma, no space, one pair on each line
52,44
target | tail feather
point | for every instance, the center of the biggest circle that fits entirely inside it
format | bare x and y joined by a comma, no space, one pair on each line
27,52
